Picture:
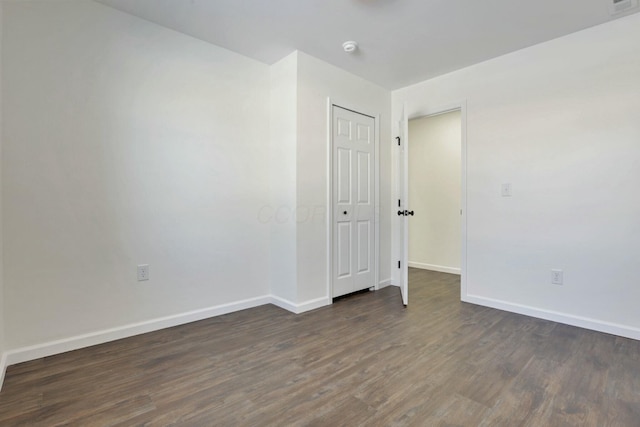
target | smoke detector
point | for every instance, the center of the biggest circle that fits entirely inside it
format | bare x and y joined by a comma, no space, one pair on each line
620,6
351,46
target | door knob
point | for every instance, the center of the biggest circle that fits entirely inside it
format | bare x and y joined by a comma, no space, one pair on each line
405,212
400,213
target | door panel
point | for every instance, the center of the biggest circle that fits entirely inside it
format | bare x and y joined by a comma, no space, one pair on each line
364,178
344,249
364,232
364,133
344,176
344,127
353,201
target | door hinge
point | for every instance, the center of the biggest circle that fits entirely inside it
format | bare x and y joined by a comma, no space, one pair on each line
398,264
398,138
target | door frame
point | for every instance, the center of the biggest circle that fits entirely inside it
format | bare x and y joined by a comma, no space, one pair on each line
331,102
424,111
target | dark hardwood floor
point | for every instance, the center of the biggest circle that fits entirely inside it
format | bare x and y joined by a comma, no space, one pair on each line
364,361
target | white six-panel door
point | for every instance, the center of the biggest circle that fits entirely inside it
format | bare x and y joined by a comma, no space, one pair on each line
353,201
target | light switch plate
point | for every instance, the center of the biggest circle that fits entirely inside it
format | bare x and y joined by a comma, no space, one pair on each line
505,190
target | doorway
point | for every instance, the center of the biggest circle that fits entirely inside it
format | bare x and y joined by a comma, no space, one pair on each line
406,211
435,192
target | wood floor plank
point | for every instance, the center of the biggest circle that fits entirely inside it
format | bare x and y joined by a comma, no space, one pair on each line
364,361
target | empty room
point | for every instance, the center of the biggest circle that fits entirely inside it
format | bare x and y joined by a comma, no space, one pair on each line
226,213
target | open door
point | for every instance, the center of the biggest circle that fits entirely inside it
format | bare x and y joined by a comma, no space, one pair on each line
403,203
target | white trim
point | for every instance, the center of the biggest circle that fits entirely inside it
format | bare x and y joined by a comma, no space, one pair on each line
3,368
384,284
433,267
37,351
329,215
3,355
313,304
463,200
302,307
50,348
376,203
443,109
555,316
284,304
376,178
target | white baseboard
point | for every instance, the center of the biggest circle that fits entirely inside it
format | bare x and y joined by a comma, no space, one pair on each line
384,283
25,354
50,348
284,303
73,343
568,319
302,307
313,304
433,267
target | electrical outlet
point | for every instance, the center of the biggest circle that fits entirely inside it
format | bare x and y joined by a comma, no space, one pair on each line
143,272
556,277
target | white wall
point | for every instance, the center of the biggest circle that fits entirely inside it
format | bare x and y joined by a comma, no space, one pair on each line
318,80
280,213
126,143
434,192
559,121
300,86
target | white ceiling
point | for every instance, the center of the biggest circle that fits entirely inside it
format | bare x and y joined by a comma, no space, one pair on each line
401,41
